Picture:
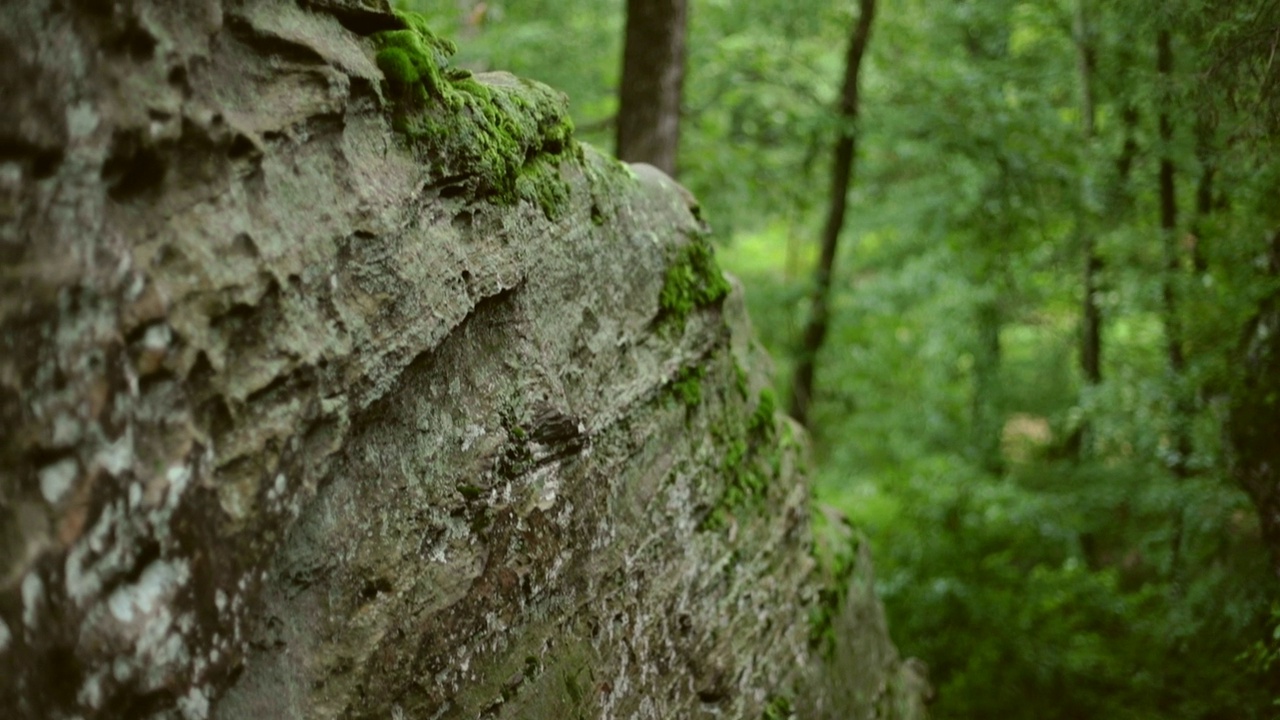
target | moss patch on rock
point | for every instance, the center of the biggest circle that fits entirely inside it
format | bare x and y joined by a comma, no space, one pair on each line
687,387
693,280
751,460
494,137
836,557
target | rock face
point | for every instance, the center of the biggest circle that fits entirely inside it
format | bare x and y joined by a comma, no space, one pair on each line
338,383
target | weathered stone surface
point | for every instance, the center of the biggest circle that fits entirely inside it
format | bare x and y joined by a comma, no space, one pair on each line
311,414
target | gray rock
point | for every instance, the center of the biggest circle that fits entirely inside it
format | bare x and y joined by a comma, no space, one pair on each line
328,393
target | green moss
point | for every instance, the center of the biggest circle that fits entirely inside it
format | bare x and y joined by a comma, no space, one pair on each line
687,387
573,689
740,380
778,708
693,280
413,61
473,88
752,458
762,417
501,140
539,182
397,66
836,559
470,492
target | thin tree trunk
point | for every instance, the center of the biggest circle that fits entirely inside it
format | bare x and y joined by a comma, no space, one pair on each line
841,176
1204,192
1253,422
1181,442
987,397
1090,311
1119,196
1180,411
652,81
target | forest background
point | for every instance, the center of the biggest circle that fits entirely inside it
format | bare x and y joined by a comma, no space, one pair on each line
1041,371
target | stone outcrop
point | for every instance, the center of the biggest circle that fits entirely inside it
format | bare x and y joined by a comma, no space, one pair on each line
336,382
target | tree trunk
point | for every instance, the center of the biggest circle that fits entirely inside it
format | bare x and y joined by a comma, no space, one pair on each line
1253,423
841,176
1090,312
987,397
1204,191
1180,449
1179,411
652,78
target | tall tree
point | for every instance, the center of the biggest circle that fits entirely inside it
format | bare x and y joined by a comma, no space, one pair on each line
652,82
1090,311
1253,423
841,177
1177,362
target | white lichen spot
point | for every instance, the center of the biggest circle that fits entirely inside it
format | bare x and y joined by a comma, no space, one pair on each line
135,495
159,581
179,476
32,596
67,430
157,337
90,694
556,566
546,481
83,580
6,637
10,174
131,379
117,457
278,487
236,500
194,705
473,433
82,120
163,652
137,284
56,479
220,600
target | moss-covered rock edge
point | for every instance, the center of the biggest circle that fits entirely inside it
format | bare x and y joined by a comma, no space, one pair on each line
496,138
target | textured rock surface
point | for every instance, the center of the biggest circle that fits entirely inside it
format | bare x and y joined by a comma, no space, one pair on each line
306,418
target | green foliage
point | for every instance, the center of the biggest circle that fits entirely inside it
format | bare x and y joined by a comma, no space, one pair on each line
1263,657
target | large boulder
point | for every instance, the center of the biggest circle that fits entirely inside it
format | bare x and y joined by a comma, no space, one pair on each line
338,382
